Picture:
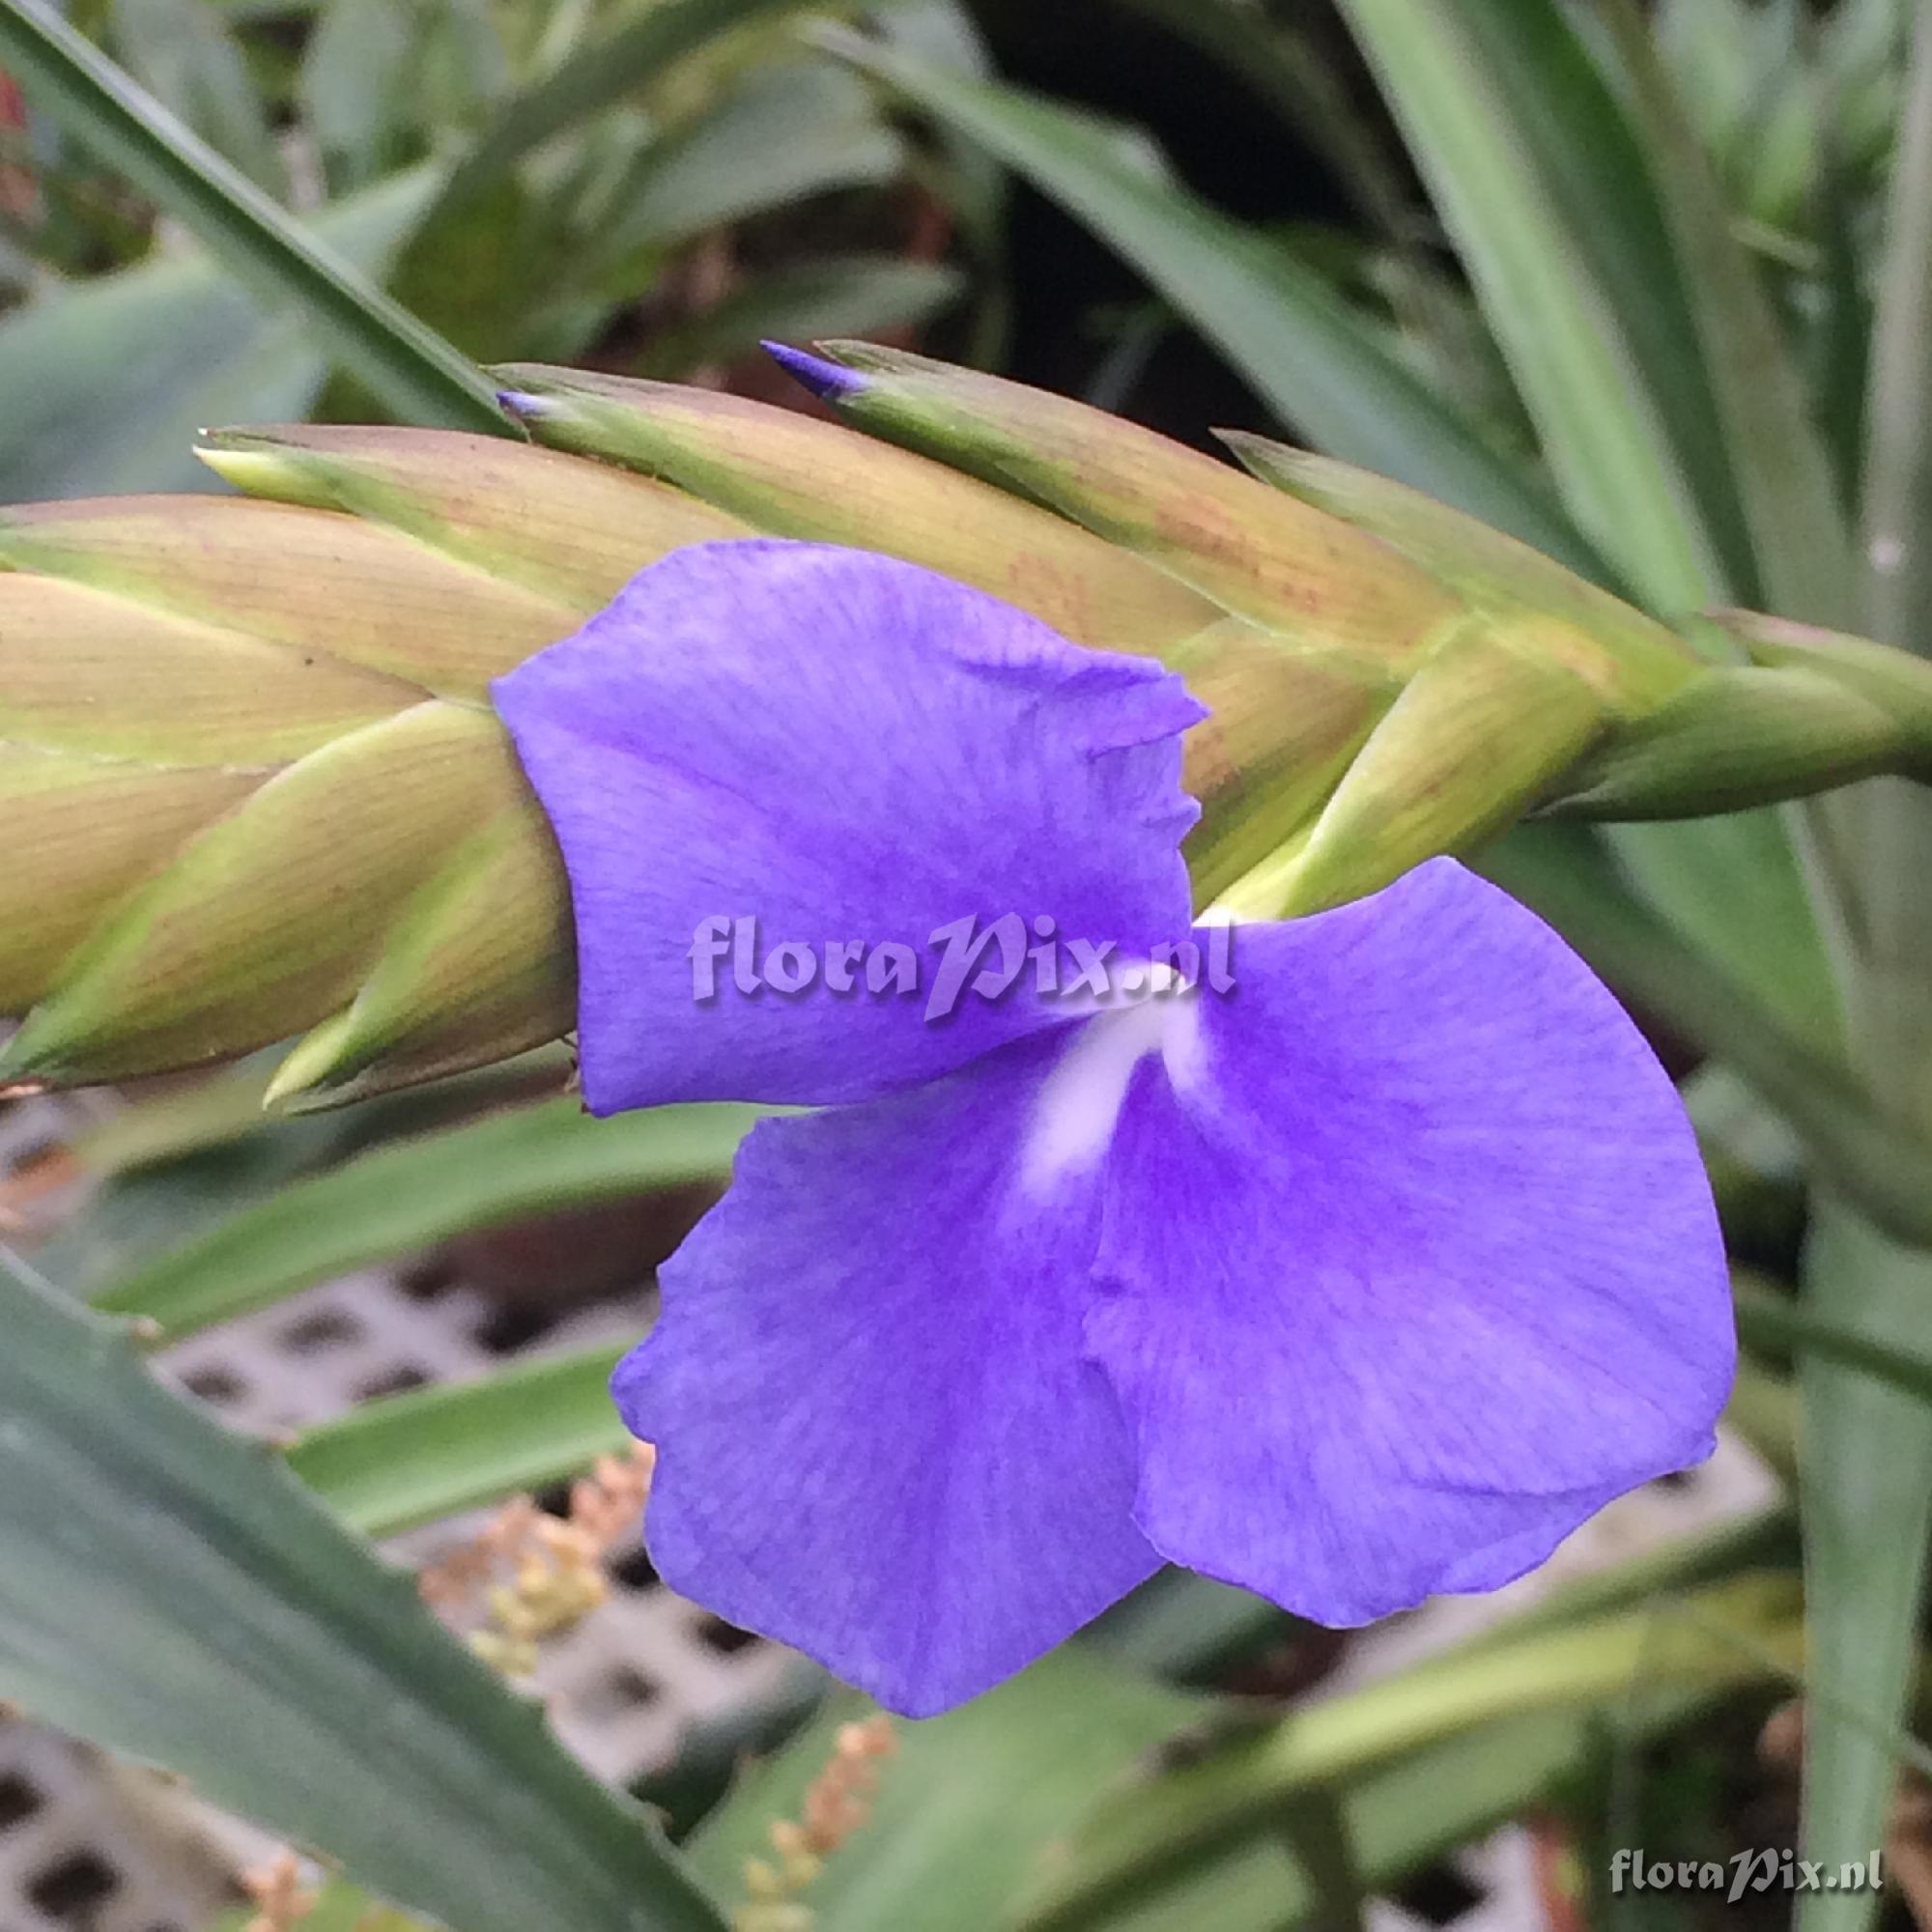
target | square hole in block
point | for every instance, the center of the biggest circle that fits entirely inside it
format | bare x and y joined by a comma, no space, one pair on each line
634,1571
554,1498
515,1326
616,1692
214,1383
324,1328
74,1886
428,1279
728,1639
19,1799
398,1380
1440,1894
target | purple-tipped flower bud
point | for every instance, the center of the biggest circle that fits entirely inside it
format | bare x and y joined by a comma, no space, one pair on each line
827,381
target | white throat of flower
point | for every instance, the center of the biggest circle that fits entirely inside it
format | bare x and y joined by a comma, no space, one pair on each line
1153,1011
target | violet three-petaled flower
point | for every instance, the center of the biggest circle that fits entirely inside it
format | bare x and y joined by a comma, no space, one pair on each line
1370,1278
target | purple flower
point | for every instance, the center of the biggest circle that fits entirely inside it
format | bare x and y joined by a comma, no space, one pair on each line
1371,1277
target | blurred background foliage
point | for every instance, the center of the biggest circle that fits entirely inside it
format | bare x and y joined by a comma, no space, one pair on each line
1645,285
650,202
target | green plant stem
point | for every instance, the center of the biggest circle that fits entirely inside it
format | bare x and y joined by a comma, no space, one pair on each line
1866,1461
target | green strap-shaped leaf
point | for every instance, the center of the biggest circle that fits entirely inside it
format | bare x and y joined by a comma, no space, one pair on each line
786,130
1865,1498
408,1458
1542,188
1284,63
477,261
106,380
530,1161
172,1591
1777,468
1709,1639
1301,346
1736,888
1898,451
1429,1800
1866,1450
410,368
1400,1821
186,56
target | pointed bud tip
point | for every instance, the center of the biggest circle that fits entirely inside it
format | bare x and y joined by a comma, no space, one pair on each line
308,1065
521,404
825,381
261,472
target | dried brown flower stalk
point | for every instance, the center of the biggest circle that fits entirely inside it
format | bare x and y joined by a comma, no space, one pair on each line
837,1803
281,1898
536,1574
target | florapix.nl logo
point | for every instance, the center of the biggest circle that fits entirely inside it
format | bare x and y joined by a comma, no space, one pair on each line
1757,1871
966,958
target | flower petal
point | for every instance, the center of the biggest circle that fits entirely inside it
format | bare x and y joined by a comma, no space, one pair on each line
847,749
1415,1268
877,1437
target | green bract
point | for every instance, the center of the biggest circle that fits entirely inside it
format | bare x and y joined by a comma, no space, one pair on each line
254,787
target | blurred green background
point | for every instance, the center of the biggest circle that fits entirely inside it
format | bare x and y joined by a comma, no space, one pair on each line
1651,287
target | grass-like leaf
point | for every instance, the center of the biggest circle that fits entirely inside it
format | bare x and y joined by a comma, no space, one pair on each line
397,1199
1283,63
1400,1821
1866,1463
1777,466
1865,1492
408,1458
1543,193
1550,197
602,71
1157,1833
172,1591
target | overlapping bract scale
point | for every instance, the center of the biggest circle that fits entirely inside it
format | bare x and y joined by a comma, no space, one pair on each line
1385,680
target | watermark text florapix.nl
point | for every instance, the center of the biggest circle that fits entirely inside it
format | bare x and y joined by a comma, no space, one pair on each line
1763,1869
